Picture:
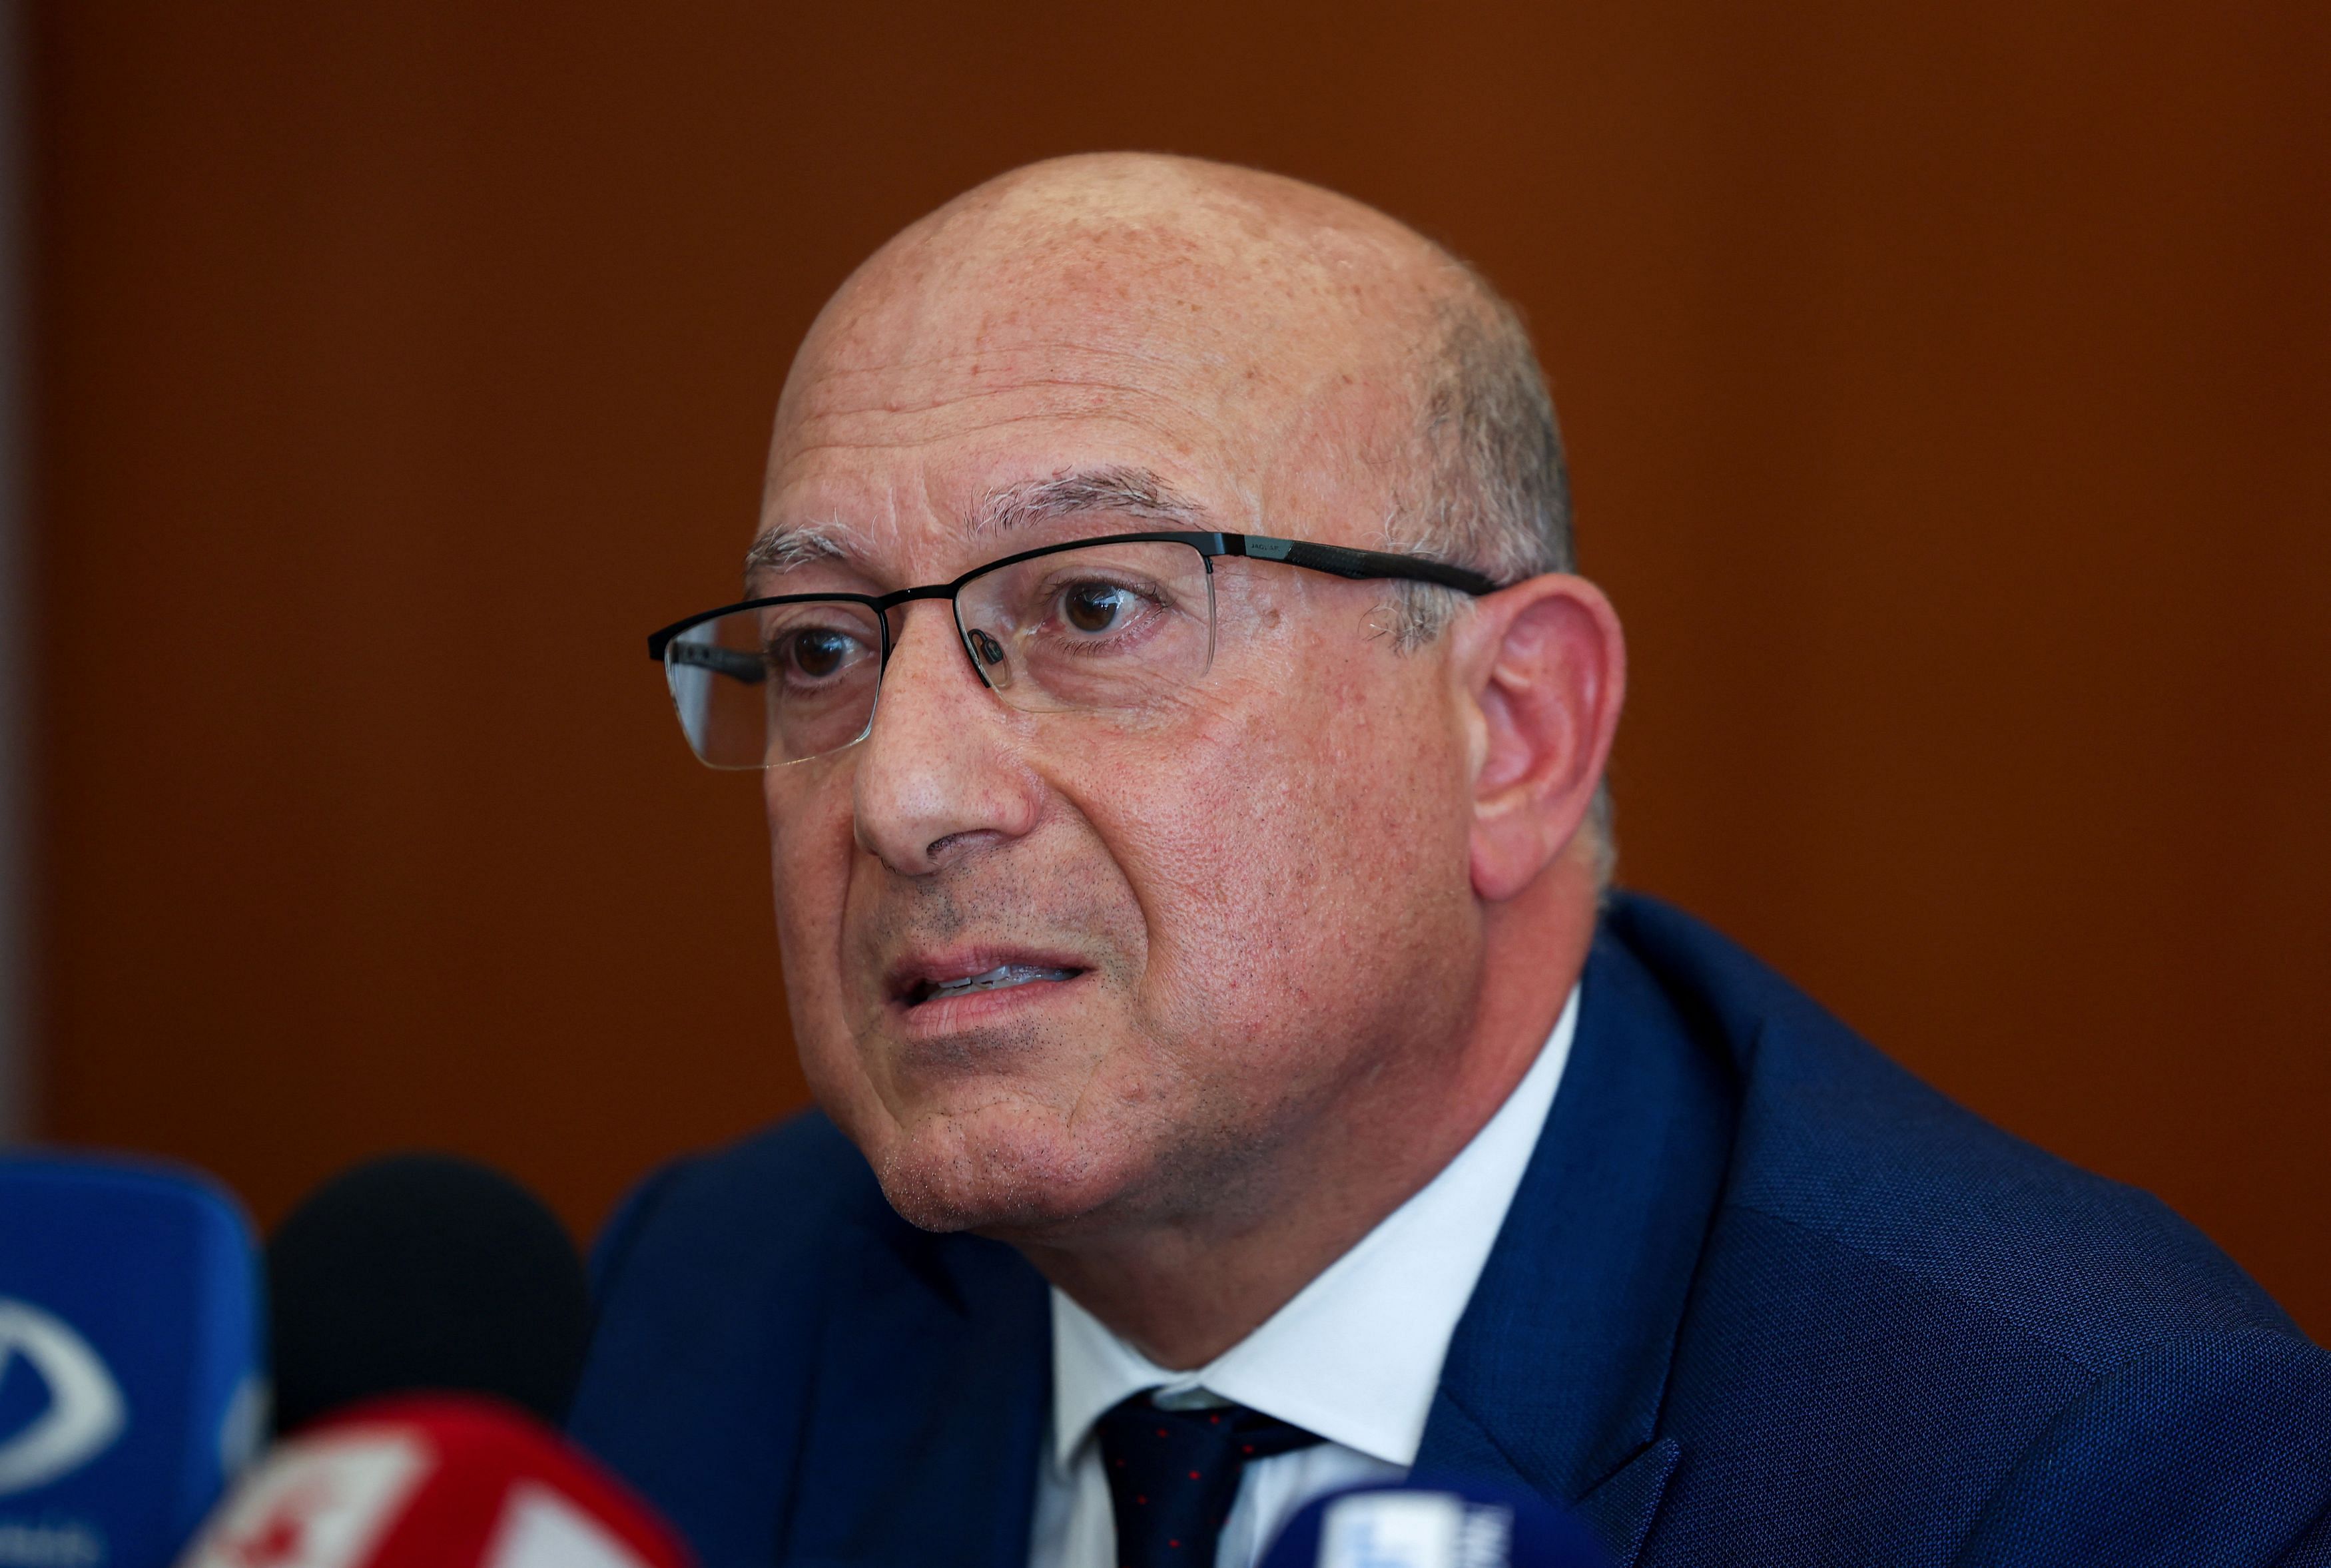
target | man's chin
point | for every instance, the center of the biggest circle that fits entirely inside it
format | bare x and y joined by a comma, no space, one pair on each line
1002,1170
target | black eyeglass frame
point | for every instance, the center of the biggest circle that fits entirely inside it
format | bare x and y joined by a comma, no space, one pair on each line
1333,559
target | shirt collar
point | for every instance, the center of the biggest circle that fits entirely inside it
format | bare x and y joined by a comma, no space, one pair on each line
1357,1355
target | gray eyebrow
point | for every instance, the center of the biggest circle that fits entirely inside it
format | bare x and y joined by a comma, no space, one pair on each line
786,546
1127,492
1132,492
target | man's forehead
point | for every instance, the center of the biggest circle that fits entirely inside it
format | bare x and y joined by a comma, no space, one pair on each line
901,456
1110,315
987,423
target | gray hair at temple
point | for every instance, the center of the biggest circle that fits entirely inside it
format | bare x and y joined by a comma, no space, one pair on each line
1491,489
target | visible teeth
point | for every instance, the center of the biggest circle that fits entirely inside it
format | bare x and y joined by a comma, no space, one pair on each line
997,978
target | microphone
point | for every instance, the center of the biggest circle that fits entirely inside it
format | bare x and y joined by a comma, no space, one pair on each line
429,1319
425,1273
433,1482
1440,1523
131,1386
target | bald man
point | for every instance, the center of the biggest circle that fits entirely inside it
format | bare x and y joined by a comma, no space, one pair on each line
1236,1078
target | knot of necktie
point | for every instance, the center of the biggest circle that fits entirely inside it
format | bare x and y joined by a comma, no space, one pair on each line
1174,1474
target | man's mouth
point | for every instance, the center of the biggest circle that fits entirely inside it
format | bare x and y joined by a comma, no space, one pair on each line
1002,977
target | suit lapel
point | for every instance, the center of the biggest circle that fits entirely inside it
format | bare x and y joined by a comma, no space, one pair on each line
1555,1374
934,1380
930,1407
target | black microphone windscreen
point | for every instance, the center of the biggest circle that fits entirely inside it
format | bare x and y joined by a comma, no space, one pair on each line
425,1273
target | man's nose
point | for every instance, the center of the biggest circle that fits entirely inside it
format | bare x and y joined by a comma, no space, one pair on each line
938,775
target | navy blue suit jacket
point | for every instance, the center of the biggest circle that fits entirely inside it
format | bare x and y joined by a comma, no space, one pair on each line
1762,1298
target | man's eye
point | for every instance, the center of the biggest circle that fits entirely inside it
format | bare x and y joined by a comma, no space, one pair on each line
1095,606
816,653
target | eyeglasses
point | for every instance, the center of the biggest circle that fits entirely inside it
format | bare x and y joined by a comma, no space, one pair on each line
1108,624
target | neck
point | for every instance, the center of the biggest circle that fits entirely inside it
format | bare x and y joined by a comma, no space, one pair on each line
1183,1290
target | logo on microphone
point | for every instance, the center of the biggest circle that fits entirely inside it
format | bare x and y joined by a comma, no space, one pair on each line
1414,1529
321,1501
84,1412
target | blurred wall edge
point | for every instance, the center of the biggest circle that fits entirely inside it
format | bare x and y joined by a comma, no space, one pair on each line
16,640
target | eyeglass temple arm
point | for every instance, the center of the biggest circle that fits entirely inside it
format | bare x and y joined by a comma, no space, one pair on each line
732,663
1356,564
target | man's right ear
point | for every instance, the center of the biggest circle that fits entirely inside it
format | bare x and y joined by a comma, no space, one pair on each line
1543,672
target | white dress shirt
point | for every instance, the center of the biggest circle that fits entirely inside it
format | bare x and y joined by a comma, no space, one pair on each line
1355,1356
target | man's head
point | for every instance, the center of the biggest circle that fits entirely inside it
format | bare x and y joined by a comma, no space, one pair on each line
1309,898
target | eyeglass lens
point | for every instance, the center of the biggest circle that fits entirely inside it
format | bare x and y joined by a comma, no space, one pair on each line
1108,628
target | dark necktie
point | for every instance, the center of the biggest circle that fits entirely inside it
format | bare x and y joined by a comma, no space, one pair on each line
1174,1474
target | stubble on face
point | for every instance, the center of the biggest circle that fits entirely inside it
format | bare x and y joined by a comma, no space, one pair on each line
984,1125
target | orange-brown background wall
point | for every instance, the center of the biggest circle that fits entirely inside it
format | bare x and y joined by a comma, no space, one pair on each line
1949,393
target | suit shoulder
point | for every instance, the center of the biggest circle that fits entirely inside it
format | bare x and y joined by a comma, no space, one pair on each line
713,1283
2205,1448
1841,1147
749,1215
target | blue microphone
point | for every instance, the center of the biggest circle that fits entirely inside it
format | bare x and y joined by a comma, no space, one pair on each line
131,1333
1433,1524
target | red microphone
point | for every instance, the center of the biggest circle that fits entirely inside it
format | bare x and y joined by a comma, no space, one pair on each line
432,1481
